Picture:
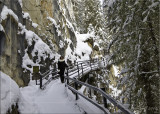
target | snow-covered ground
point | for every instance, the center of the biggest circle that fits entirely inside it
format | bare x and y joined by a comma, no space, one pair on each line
9,92
55,99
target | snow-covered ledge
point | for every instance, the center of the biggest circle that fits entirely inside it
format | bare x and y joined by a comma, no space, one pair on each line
9,92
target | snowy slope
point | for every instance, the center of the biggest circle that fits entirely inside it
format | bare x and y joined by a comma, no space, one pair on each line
33,100
55,99
9,92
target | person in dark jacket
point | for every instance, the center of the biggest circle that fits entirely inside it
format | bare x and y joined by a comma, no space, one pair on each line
61,66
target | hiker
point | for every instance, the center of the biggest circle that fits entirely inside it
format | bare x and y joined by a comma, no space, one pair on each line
61,66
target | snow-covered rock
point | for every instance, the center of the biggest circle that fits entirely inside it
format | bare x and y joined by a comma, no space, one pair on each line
5,12
10,92
82,46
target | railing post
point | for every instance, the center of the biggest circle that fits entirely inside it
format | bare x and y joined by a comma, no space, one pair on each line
40,81
54,69
78,70
36,76
82,68
76,87
90,65
36,81
67,76
104,99
89,89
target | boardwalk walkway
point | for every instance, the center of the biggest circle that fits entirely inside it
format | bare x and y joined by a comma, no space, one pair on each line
55,99
72,77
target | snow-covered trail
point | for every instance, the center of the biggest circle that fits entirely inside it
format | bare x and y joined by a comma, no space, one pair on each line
53,100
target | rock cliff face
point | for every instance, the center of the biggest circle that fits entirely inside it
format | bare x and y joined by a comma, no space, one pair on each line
36,33
43,12
49,20
11,42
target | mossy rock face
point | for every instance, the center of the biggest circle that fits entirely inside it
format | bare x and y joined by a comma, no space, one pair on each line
12,50
2,42
90,41
13,45
26,77
96,48
1,6
13,110
72,37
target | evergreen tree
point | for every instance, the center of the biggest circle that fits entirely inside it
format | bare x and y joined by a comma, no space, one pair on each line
89,19
134,29
87,13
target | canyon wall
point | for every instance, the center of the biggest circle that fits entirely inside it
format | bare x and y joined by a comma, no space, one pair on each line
49,20
11,43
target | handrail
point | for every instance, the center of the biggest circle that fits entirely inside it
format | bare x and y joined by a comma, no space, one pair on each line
46,72
81,68
75,71
51,72
88,60
43,76
91,101
54,77
119,105
94,65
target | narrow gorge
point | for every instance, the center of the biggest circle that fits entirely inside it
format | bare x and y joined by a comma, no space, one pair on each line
120,37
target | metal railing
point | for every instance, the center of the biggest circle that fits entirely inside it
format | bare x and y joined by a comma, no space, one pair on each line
45,79
80,70
104,94
75,72
79,67
88,99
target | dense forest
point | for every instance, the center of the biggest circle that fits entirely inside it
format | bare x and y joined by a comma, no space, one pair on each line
130,33
133,29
